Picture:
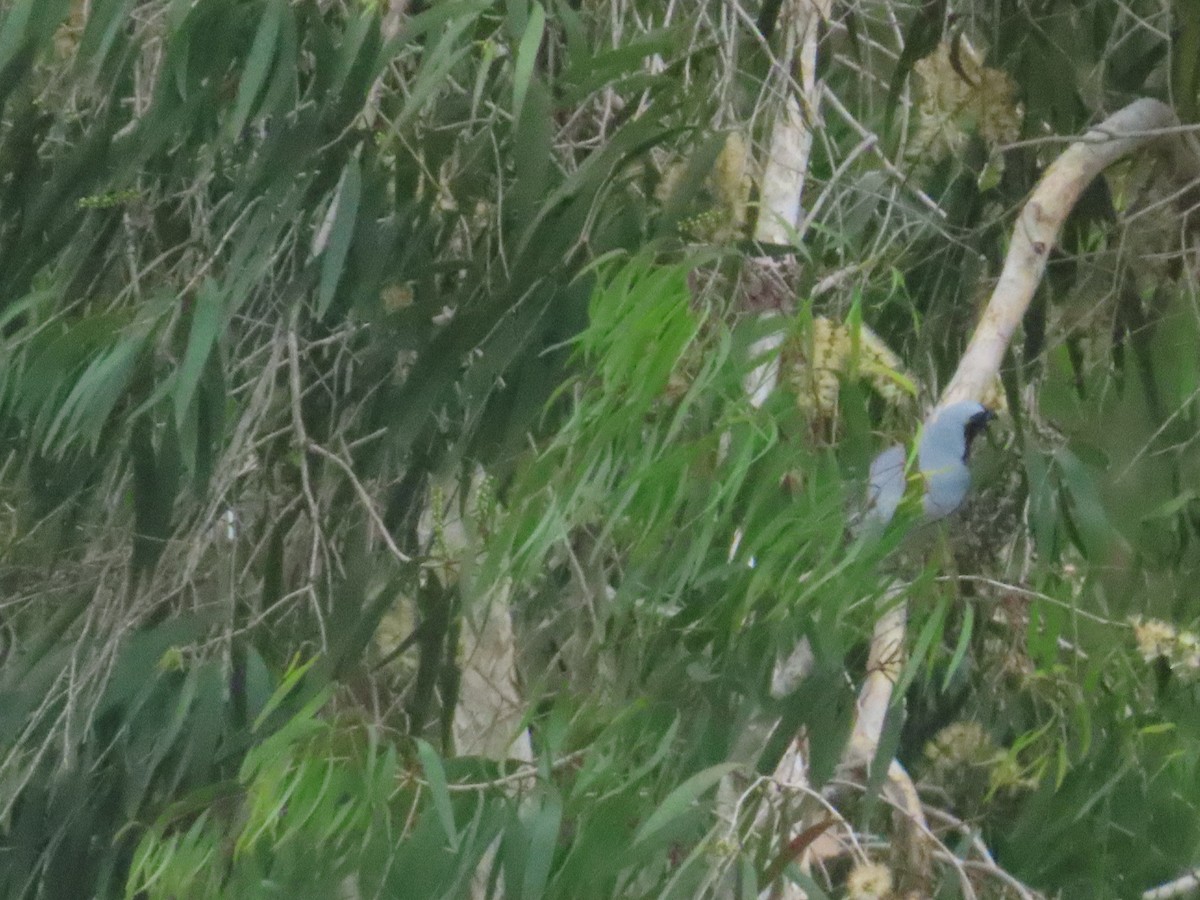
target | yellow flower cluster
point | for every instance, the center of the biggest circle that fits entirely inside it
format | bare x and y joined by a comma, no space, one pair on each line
396,297
1156,638
69,33
994,397
869,881
728,186
958,92
963,758
962,743
833,355
731,180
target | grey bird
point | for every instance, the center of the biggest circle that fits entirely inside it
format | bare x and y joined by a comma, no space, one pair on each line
942,460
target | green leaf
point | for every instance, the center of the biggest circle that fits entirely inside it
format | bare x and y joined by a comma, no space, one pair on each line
527,51
291,679
964,643
680,801
87,408
12,29
1043,503
930,633
105,20
533,154
206,324
258,65
416,27
593,71
1185,60
439,790
436,64
355,36
543,838
920,39
155,475
344,214
1085,506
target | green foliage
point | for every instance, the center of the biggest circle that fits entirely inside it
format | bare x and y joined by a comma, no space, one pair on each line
721,521
314,318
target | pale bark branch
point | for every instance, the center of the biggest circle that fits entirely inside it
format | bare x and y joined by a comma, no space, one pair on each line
786,170
1037,230
1185,886
781,190
884,665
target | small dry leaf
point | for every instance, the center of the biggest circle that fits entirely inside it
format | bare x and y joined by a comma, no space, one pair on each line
396,297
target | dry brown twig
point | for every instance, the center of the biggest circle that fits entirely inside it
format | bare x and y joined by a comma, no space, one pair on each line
365,498
314,509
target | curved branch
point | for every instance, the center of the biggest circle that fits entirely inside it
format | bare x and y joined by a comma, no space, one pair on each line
1038,228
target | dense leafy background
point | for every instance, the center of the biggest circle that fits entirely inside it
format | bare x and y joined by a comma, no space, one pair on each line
276,274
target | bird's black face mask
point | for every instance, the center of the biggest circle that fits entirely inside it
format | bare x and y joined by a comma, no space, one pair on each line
976,425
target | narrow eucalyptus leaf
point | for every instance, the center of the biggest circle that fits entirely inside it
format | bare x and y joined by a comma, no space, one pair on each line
680,802
439,790
341,232
209,309
258,64
527,52
543,839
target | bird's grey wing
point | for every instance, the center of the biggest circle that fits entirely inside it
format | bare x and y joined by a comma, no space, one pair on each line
945,489
885,484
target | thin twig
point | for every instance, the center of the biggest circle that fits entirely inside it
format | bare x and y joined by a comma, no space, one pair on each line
314,510
364,497
888,166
